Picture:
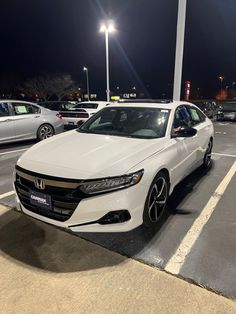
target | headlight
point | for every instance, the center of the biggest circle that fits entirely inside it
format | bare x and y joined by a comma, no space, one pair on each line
111,184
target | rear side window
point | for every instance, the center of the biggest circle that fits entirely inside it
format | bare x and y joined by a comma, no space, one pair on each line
4,110
22,109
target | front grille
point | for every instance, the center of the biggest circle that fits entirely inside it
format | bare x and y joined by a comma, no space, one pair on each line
64,199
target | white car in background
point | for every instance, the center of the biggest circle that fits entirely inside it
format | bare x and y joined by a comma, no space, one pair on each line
117,170
82,111
21,120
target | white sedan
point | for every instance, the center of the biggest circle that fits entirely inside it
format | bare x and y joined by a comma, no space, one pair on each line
22,120
117,170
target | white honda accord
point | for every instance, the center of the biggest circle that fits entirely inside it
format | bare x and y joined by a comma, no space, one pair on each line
117,170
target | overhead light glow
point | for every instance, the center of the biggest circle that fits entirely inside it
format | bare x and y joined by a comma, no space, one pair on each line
107,27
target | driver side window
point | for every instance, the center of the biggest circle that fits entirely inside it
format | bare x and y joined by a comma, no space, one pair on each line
182,118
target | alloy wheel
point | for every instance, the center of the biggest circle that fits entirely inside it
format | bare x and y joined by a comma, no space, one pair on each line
157,199
45,132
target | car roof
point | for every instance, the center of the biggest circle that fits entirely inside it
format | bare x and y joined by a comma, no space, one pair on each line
169,105
54,102
22,101
93,102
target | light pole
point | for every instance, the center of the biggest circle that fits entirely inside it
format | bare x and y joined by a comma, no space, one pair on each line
221,78
87,79
179,49
107,28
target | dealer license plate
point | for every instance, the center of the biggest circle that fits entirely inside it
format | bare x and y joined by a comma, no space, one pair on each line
41,200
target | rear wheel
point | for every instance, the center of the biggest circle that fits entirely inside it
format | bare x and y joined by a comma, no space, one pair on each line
207,161
156,200
45,131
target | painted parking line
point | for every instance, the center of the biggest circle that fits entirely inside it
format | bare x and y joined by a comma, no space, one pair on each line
224,155
177,260
6,194
13,151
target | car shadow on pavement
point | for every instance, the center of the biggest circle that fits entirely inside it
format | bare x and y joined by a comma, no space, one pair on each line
45,247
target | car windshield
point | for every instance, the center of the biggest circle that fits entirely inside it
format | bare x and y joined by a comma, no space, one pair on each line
133,122
229,106
86,105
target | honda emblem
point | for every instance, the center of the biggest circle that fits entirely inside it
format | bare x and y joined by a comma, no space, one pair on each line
39,183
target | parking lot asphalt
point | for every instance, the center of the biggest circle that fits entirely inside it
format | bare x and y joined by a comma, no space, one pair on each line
210,259
45,270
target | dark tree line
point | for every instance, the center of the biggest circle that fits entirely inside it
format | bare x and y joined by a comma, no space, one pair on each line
47,87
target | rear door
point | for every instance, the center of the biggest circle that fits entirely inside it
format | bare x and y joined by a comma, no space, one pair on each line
185,147
25,120
6,123
203,126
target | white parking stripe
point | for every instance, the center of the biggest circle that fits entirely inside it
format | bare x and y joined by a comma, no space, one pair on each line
6,194
225,155
176,262
14,151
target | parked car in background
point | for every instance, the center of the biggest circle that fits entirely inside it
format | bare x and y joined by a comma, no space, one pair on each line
117,170
210,108
91,106
226,110
56,105
81,112
70,118
21,120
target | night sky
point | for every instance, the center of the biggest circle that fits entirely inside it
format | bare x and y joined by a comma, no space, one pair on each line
62,36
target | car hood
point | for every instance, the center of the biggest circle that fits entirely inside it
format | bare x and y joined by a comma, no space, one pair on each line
84,156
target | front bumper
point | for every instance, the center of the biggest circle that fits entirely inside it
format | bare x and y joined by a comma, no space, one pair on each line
92,209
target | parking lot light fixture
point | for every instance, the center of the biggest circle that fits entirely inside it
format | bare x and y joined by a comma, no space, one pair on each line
107,28
221,78
87,80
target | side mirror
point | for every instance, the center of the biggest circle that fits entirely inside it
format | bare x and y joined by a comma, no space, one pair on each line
185,132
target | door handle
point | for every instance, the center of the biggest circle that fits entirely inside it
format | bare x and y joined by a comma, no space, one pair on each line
36,117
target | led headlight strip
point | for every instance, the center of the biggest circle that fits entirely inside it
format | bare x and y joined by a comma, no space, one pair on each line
111,183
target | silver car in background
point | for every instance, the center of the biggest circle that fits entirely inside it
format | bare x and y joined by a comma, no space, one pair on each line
21,120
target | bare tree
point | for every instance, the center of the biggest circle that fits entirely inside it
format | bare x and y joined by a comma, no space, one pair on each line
47,86
62,86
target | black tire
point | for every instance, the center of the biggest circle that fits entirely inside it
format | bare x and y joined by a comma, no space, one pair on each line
155,204
207,161
45,131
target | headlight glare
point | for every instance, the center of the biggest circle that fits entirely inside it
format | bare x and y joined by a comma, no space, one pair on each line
111,184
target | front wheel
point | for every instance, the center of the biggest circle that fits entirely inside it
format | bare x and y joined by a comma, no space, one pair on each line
45,131
156,200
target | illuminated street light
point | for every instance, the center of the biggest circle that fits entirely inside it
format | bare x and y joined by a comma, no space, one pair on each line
107,28
87,79
221,78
